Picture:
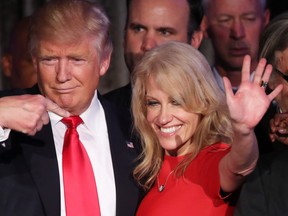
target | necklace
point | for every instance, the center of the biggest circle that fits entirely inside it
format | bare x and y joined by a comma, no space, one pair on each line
162,186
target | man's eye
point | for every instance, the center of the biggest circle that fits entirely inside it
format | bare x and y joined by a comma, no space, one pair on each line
249,18
78,61
48,61
165,32
224,20
137,28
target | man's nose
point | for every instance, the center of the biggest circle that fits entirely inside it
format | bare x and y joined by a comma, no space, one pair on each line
149,42
237,29
63,71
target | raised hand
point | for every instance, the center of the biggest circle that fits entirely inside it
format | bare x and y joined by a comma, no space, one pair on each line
27,113
250,102
246,108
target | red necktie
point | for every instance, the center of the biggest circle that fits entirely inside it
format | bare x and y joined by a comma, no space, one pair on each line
80,189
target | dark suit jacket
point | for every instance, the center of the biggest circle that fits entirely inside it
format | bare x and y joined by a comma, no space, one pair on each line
29,179
262,131
265,192
121,96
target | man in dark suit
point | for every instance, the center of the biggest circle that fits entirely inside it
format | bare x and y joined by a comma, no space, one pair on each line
70,49
146,28
265,190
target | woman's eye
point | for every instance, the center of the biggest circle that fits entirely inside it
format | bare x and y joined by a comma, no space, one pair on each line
176,103
151,103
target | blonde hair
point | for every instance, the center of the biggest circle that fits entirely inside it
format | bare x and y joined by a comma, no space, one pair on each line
67,21
184,74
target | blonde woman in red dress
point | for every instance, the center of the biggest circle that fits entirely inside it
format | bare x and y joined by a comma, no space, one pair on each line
198,144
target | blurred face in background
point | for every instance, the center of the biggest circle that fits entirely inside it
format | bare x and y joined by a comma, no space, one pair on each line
279,78
152,23
17,62
234,28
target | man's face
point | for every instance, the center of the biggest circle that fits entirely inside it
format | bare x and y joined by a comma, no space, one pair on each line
17,64
234,28
69,74
282,66
151,23
23,73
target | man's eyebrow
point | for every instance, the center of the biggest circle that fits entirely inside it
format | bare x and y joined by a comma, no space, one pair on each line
47,56
135,24
166,28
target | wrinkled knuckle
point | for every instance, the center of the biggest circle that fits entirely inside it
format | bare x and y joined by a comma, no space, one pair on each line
39,97
33,123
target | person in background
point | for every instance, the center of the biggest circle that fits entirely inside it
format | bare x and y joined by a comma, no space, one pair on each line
279,128
274,47
234,28
17,62
151,23
265,191
81,164
198,145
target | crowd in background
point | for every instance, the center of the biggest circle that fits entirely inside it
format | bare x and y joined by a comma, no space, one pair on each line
193,116
118,75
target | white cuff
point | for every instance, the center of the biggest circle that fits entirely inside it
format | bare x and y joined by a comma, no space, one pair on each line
4,134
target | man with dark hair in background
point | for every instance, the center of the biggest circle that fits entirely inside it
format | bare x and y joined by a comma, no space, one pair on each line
17,61
150,23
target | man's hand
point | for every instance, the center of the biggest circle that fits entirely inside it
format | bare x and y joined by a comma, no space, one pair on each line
27,113
279,128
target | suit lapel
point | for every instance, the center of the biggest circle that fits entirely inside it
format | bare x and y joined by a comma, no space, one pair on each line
123,159
39,152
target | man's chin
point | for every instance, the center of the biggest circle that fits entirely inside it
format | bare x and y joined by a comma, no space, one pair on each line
235,63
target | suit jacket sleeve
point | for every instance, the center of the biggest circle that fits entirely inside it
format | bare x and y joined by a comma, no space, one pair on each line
252,197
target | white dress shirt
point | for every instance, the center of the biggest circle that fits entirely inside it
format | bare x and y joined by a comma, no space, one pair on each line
94,136
218,78
4,135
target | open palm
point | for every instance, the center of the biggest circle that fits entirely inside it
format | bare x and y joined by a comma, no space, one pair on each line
250,102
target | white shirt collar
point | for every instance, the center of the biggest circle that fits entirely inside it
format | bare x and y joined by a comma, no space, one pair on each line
92,110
